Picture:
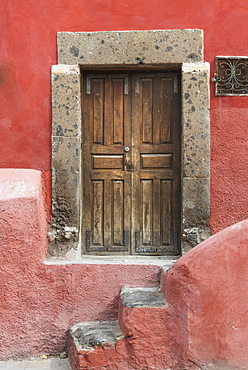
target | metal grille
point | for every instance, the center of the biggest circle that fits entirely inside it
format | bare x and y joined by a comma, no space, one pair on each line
231,76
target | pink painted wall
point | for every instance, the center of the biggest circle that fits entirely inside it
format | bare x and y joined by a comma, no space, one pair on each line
28,49
207,290
39,302
205,323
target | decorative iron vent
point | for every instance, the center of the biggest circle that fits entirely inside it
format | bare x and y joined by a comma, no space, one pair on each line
231,76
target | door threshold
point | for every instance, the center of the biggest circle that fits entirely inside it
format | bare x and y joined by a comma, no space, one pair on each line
163,261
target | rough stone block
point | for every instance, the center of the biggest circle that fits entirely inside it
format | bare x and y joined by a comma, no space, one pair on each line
195,119
64,232
66,105
130,47
196,201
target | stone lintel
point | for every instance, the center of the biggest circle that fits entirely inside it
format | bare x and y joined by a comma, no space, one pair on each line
131,47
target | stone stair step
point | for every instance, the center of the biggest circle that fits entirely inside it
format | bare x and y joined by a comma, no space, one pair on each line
95,334
142,297
97,345
145,321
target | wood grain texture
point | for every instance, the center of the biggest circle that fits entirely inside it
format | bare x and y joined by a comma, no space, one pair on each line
118,114
147,211
118,212
97,212
131,163
166,226
98,91
147,109
158,161
107,162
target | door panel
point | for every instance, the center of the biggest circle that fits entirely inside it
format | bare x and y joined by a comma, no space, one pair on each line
106,129
97,212
131,163
117,194
98,105
156,150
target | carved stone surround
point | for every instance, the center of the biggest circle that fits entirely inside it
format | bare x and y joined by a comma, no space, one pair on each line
178,49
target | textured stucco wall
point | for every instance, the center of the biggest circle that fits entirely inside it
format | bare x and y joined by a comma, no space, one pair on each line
28,49
39,302
207,290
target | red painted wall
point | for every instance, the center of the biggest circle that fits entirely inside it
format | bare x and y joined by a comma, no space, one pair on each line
39,302
28,49
204,324
207,290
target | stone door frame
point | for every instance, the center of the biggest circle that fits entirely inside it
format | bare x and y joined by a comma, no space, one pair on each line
176,49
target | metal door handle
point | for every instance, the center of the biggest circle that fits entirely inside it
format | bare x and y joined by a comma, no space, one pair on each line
126,149
127,160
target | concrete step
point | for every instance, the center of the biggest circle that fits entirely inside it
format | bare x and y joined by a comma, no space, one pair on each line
145,320
135,303
96,334
93,345
142,297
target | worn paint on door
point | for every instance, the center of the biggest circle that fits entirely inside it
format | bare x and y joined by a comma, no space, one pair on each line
131,163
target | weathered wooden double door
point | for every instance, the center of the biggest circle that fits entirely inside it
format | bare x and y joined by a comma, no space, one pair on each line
131,162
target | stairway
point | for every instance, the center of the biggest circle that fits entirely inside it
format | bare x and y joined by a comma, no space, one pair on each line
141,339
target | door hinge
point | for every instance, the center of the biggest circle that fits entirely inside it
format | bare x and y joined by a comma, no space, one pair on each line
88,80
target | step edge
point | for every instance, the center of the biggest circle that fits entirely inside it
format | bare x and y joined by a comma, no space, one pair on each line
118,335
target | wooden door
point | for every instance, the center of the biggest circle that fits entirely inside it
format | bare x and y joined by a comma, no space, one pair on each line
131,163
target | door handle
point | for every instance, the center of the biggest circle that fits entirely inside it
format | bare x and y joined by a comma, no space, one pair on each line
127,160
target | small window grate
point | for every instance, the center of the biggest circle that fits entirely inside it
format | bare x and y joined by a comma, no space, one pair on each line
231,76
